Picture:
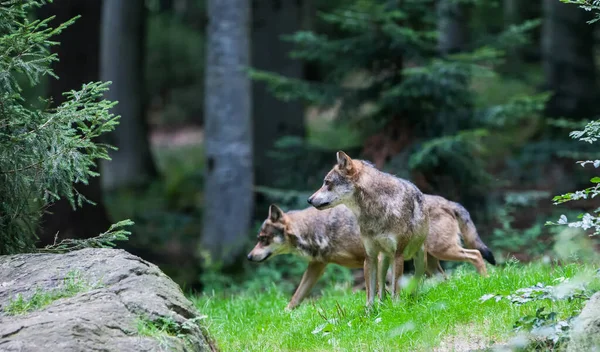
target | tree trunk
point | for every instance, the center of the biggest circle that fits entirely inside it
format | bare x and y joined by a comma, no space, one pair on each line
228,195
78,54
568,60
122,62
274,118
453,26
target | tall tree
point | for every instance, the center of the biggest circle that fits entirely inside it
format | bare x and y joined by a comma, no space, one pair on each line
79,53
568,60
122,62
274,118
453,26
228,195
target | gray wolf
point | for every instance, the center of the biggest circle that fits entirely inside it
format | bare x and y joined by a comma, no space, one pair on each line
333,236
391,216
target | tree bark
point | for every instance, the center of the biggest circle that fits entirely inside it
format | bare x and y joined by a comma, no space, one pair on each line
122,62
79,55
274,118
453,26
228,194
568,60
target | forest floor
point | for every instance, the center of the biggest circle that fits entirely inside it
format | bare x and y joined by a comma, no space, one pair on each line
447,316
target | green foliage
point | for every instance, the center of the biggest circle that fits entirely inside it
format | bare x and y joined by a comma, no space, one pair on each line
43,151
588,5
445,313
104,240
382,68
543,329
174,69
73,284
589,134
507,238
165,328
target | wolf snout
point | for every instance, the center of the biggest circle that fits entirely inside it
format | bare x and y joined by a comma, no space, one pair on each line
310,200
249,256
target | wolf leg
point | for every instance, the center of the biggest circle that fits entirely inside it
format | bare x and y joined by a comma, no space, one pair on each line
370,269
460,254
384,264
397,271
311,276
434,267
420,262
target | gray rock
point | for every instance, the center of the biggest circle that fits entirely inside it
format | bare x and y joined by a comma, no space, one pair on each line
585,331
123,290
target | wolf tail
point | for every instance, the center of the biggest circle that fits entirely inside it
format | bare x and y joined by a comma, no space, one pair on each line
469,233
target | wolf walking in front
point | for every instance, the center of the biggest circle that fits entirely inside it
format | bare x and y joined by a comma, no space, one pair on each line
323,237
391,216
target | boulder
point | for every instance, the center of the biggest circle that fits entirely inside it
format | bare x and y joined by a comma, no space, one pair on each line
94,300
585,330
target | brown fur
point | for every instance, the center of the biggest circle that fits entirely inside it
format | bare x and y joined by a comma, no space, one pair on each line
327,236
450,218
391,215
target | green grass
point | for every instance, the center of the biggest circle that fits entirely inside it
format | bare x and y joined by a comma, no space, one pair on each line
73,284
162,329
165,329
446,313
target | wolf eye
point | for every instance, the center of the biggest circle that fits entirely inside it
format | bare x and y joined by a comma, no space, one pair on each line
327,183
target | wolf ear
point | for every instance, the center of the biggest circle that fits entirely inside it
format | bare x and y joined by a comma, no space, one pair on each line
344,161
275,214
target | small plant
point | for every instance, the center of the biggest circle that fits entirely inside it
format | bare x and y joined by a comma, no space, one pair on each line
546,330
104,240
73,284
165,328
543,328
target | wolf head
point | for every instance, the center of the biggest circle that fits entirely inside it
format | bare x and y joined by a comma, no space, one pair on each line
273,237
338,186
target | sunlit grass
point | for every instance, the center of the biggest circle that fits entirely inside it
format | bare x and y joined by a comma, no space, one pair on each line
258,322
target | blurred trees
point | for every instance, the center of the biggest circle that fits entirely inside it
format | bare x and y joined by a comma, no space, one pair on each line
274,118
453,26
79,53
122,62
568,60
228,189
419,113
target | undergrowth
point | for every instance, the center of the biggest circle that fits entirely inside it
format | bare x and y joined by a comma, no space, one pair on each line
446,313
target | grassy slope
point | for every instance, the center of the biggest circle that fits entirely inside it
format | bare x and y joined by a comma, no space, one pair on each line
447,313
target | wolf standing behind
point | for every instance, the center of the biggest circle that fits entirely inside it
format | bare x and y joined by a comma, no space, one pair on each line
391,215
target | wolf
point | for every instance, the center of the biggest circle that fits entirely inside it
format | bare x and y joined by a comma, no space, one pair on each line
391,216
333,236
323,237
446,220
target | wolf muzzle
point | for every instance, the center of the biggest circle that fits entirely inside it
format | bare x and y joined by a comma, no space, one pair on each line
318,206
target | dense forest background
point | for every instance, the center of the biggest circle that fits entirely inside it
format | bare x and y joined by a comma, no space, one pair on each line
472,100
